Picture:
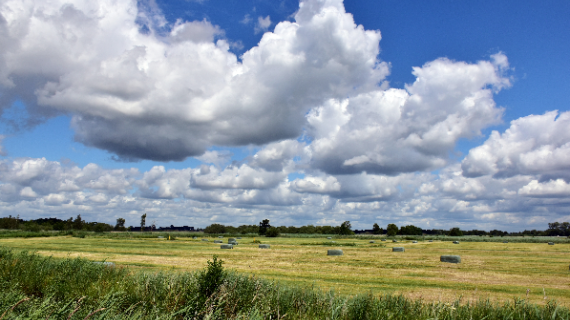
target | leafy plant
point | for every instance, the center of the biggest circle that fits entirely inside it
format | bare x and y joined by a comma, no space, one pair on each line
212,277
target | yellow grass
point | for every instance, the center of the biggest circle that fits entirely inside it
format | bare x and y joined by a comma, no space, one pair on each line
497,271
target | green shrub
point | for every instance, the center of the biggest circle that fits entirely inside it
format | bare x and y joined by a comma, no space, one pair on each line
210,279
272,232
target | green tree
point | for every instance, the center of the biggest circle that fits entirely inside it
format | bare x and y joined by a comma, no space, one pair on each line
143,221
455,232
78,223
215,228
345,228
212,278
392,230
263,226
411,230
272,232
376,229
120,226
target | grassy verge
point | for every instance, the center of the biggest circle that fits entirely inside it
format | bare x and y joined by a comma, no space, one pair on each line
38,287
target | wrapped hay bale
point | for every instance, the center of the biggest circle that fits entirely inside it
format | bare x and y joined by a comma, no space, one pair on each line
220,237
414,242
430,240
231,239
329,238
372,241
334,252
160,237
233,242
239,238
394,240
383,240
226,246
398,249
551,243
218,241
455,242
194,237
450,259
505,242
204,239
264,246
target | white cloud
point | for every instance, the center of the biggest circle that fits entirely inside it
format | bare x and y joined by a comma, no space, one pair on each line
262,24
535,144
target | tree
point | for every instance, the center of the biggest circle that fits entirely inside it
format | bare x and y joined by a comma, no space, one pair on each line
411,230
376,229
120,226
272,232
345,228
78,223
143,221
455,232
263,226
215,228
392,230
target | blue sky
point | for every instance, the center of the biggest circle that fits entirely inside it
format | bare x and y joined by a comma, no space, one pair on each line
188,115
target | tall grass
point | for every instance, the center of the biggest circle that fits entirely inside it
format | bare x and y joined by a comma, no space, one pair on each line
60,288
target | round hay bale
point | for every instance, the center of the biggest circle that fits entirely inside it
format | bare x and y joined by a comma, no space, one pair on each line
264,246
105,263
455,242
372,241
334,252
226,246
414,242
204,239
329,238
218,241
551,243
450,259
398,249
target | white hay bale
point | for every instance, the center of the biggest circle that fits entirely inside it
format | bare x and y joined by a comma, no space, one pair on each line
160,237
334,252
455,242
220,237
329,238
218,241
398,249
194,237
551,243
226,246
204,239
264,246
450,259
372,241
414,242
105,263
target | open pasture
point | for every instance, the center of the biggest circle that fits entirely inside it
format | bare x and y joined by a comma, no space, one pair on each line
498,271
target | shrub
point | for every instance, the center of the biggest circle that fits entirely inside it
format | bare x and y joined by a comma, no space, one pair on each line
272,232
212,277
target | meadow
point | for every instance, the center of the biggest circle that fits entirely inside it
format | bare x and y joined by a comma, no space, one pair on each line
495,271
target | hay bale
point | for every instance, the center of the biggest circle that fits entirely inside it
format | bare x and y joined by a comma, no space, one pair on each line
505,242
204,239
450,259
264,246
329,238
414,242
226,246
551,243
398,249
160,237
334,252
430,240
231,239
220,237
239,238
394,240
455,242
218,241
105,263
372,241
383,240
194,237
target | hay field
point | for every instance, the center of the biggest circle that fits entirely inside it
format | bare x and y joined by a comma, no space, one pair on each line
498,271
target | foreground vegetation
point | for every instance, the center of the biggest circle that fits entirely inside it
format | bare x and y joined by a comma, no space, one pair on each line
39,287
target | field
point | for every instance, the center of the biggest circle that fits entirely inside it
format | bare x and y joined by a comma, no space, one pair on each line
498,271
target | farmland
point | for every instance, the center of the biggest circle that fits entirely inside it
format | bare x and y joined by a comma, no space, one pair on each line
489,270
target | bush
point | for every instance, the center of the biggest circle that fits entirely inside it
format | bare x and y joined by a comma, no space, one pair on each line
272,232
212,278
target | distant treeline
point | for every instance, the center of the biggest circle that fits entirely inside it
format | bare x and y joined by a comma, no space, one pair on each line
46,224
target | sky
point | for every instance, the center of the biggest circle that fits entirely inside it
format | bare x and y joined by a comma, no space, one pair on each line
437,114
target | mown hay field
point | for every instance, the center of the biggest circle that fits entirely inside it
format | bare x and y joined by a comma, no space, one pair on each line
488,270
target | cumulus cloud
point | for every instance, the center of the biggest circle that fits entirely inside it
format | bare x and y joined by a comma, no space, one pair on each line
262,24
169,93
396,130
532,145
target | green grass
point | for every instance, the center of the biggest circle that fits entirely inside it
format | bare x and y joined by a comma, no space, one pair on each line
39,287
